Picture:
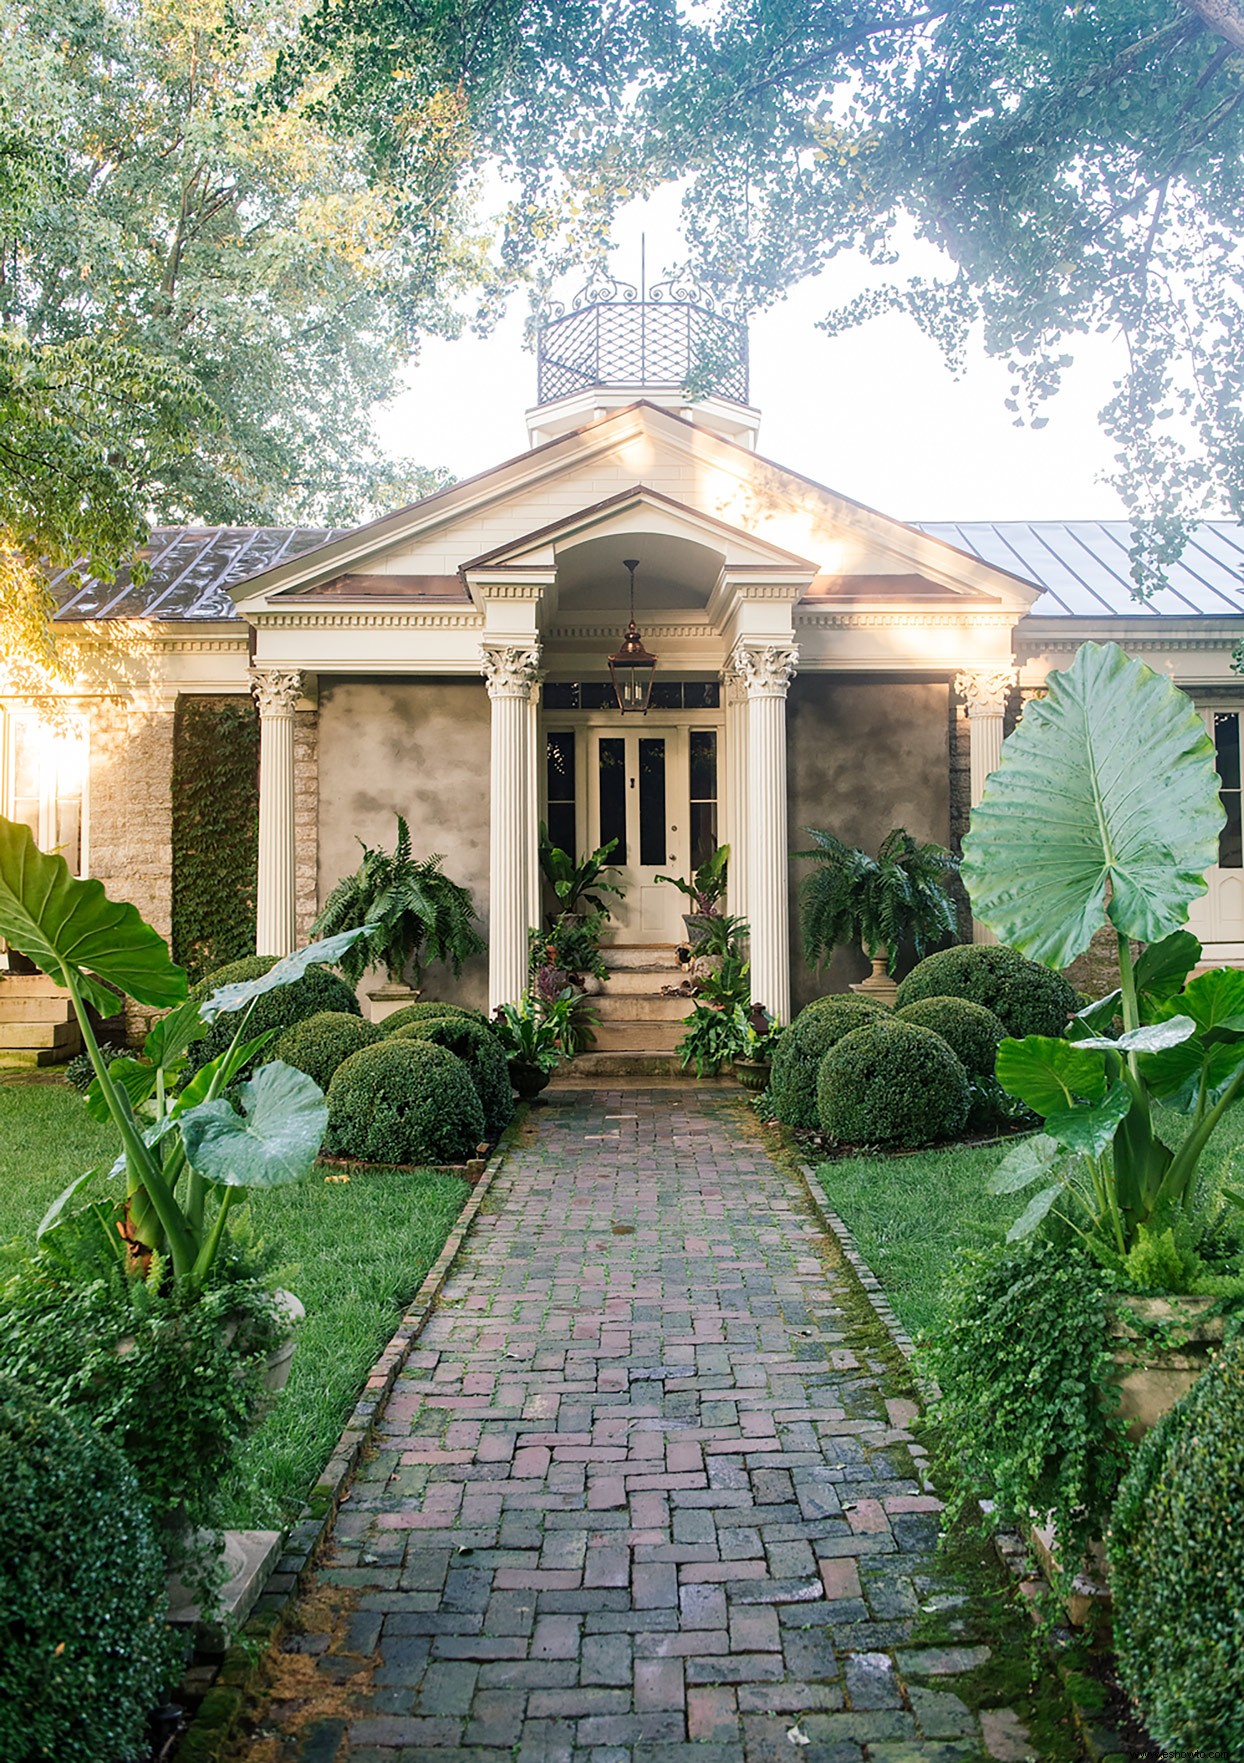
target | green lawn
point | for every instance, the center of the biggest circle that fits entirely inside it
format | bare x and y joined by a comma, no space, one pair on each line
912,1215
353,1251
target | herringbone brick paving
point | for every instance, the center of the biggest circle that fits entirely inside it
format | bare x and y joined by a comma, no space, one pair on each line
641,1491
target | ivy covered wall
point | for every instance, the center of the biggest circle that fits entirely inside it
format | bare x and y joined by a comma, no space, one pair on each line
215,831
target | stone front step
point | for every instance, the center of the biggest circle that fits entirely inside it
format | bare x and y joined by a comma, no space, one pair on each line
18,1036
37,1024
622,1067
640,957
31,985
641,1007
31,1009
643,1036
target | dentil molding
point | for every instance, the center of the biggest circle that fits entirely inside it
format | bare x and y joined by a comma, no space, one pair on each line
277,689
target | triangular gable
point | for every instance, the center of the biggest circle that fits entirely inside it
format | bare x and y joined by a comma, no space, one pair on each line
786,518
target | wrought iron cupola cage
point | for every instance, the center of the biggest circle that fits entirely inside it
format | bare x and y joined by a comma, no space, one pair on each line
673,335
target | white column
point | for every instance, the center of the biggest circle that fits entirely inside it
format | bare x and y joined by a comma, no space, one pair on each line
276,690
985,692
734,694
767,669
510,671
535,761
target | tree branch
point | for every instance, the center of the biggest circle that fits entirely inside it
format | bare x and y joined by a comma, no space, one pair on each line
1224,17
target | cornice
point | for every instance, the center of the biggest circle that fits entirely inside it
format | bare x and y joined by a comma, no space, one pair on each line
920,620
608,633
468,619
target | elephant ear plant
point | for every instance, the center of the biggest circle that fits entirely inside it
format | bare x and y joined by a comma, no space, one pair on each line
1105,811
184,1157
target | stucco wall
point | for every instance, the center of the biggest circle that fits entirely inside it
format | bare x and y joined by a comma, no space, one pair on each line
418,748
864,755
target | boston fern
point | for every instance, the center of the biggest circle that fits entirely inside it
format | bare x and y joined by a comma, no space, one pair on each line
851,898
417,913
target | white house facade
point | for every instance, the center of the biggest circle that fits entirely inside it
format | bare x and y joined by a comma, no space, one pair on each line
818,663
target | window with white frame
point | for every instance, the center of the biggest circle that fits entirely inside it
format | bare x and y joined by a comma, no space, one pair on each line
1225,728
44,781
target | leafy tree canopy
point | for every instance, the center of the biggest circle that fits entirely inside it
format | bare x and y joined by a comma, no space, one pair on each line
1080,166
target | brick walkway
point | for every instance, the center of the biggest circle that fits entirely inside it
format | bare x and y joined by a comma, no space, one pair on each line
641,1493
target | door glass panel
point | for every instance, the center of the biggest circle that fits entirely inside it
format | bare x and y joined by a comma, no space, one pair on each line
651,802
703,795
1227,750
560,790
27,774
612,760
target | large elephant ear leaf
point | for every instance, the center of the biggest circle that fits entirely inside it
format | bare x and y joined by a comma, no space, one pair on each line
68,926
240,993
1105,806
276,1138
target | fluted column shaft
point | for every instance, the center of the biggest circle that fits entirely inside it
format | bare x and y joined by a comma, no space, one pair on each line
510,671
767,670
985,694
735,694
276,693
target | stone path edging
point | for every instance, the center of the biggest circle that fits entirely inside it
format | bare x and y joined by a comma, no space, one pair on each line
209,1732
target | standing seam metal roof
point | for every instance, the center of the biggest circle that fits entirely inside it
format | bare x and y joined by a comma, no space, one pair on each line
1081,566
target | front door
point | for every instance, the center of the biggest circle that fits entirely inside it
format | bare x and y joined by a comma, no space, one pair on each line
638,795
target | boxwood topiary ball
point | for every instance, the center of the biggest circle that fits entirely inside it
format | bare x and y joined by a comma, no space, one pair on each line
319,989
403,1101
890,1083
1027,999
83,1648
1176,1543
970,1031
318,1044
480,1051
426,1010
797,1058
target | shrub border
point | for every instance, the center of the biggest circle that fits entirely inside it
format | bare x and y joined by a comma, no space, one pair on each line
1101,1744
221,1708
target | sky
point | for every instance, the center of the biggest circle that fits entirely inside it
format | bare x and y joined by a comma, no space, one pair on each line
874,414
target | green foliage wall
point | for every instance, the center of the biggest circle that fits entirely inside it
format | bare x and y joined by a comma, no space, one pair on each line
215,831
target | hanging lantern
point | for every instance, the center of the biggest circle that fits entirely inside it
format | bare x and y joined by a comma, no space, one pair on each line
632,668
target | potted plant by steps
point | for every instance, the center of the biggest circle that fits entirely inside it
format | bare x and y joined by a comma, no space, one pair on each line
717,1028
761,1036
852,899
572,944
706,890
531,1035
159,1257
574,883
414,915
1071,836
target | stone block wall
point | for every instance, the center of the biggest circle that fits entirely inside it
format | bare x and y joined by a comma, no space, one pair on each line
131,815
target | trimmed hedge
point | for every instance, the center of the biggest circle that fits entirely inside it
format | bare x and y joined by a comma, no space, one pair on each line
970,1031
426,1010
480,1051
319,1043
890,1083
1027,999
319,990
1177,1568
83,1648
403,1101
797,1059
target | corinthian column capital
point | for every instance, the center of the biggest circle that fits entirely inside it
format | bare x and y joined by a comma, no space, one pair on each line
277,689
986,690
766,669
510,669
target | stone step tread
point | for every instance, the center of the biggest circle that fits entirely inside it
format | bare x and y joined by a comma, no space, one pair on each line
57,1009
640,957
29,985
641,1007
17,1035
651,1062
13,1058
625,1037
635,982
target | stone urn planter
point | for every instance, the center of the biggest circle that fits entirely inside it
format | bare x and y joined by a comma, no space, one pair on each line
384,1000
698,926
528,1079
753,1074
281,1358
879,985
1162,1345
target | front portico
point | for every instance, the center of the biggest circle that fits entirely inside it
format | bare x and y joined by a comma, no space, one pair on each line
749,576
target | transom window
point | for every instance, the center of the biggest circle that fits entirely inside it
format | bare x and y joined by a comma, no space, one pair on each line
667,694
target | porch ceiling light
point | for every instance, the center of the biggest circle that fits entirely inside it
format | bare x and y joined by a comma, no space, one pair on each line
632,668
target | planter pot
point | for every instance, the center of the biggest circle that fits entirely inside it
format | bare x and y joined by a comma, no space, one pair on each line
280,1359
591,985
1152,1375
528,1079
383,1000
879,985
753,1074
698,926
